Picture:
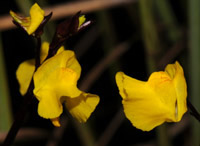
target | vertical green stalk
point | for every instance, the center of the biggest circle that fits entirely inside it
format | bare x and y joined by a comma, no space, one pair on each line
109,39
152,45
168,18
5,108
162,136
106,27
150,35
85,133
194,45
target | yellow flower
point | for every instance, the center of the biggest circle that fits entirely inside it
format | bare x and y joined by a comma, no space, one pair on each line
55,83
30,24
161,99
81,20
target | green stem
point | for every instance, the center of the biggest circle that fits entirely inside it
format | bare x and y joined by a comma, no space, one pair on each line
150,35
193,111
109,37
168,18
194,45
5,108
85,133
163,137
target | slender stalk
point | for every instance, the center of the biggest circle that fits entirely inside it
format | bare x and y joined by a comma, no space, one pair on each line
150,36
28,98
37,53
110,130
84,132
109,37
193,111
169,19
5,108
194,45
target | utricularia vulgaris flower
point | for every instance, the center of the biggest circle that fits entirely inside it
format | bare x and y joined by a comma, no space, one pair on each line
30,24
55,83
55,71
160,99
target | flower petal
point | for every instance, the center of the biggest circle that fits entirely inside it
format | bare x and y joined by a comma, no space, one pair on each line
128,86
148,104
56,122
62,82
73,64
24,74
145,114
54,74
44,51
180,87
81,20
82,106
37,16
162,85
49,106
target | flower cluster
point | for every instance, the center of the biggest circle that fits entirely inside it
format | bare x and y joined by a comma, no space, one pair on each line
146,104
55,80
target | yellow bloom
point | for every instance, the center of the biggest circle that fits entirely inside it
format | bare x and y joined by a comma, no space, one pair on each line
161,99
30,24
81,20
55,83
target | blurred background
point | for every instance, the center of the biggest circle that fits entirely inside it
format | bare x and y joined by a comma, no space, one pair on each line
137,37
